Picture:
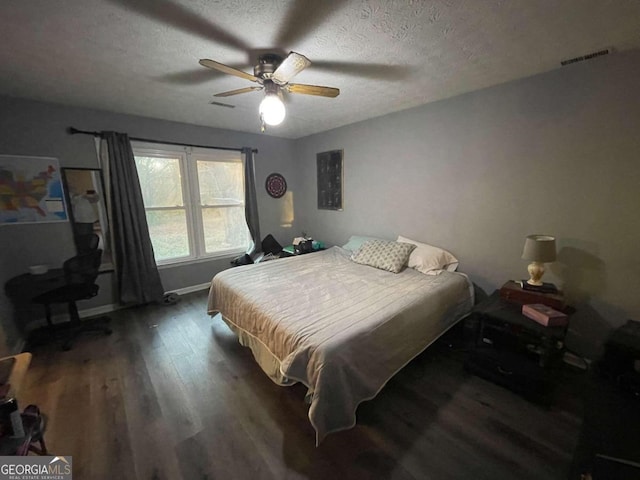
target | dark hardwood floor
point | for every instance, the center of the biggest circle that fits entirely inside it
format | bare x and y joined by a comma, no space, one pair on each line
173,395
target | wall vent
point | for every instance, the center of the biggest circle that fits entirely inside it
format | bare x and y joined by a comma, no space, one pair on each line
220,104
584,57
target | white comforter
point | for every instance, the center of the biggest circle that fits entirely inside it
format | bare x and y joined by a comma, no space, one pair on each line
341,328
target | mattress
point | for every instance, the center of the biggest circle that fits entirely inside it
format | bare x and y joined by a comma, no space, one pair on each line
341,328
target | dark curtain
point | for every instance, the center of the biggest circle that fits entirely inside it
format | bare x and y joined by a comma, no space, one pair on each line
251,199
138,280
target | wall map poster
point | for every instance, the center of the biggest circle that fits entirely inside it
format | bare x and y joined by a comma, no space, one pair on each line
330,180
30,190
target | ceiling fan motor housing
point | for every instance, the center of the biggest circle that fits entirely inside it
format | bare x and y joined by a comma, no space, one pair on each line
267,64
271,88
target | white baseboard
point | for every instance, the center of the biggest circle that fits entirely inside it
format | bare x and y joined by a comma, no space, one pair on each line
93,312
104,309
87,312
193,288
64,317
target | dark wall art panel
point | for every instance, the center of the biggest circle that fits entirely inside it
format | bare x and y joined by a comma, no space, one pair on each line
330,195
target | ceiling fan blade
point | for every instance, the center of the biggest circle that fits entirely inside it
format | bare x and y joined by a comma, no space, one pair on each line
205,62
290,67
194,76
172,12
237,92
376,71
313,90
303,18
188,77
220,104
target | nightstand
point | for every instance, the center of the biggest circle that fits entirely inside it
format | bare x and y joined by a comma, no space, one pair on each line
513,350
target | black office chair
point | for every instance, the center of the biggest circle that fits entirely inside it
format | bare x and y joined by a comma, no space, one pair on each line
80,274
87,243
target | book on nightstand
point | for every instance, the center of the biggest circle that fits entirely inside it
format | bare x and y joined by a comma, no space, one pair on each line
545,315
513,292
544,288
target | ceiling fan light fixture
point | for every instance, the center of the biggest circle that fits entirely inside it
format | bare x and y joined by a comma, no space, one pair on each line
273,74
272,111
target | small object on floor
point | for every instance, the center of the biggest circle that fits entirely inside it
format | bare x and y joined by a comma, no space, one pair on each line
170,298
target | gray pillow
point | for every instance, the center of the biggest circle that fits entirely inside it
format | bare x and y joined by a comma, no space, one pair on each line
390,256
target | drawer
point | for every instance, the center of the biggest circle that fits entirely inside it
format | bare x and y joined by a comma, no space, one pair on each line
516,372
544,351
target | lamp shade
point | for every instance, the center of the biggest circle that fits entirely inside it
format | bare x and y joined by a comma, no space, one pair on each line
539,248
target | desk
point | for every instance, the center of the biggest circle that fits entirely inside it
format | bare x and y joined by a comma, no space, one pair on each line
21,290
25,287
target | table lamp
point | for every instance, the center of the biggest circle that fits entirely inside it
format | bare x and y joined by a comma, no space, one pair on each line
539,249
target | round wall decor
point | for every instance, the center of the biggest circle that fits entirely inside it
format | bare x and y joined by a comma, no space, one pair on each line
276,185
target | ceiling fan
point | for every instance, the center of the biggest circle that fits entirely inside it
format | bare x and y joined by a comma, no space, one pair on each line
273,74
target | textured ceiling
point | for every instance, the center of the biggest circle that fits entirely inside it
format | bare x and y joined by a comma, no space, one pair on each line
141,56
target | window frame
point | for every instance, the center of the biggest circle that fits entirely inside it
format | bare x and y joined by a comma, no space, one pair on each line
188,158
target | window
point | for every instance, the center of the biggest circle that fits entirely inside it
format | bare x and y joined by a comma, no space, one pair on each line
194,201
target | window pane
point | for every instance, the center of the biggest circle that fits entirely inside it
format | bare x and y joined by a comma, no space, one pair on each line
224,228
160,181
221,183
168,230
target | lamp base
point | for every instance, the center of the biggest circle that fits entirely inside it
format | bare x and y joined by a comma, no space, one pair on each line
536,271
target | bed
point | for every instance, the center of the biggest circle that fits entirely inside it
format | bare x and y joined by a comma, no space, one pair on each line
341,328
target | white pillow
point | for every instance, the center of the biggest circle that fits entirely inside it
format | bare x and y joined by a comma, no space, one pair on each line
429,259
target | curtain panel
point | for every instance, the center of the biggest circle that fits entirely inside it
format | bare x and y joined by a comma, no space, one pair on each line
251,200
138,280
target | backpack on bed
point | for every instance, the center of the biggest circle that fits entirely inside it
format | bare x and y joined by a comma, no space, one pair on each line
271,245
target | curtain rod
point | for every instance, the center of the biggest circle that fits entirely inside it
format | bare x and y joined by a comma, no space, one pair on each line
75,131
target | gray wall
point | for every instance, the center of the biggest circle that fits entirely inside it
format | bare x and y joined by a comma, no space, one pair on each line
34,128
557,153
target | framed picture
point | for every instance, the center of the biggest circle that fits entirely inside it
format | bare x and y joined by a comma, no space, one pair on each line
330,180
31,190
